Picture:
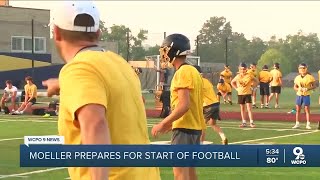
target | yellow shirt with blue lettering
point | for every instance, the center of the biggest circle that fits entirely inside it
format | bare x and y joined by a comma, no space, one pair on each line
244,83
304,82
187,77
104,78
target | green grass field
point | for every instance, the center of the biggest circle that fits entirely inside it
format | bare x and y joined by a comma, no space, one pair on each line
14,128
287,102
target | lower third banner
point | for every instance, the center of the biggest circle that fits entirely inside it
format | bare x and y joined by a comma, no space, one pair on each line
169,156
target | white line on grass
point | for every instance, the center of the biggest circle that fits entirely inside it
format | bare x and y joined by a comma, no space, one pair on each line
275,137
21,120
256,128
10,139
31,172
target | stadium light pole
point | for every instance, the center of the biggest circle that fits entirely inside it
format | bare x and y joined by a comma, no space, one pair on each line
197,45
227,39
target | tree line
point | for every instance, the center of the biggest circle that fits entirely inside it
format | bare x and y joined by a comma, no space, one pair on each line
217,42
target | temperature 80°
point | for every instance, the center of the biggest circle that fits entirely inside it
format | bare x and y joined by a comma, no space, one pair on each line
272,160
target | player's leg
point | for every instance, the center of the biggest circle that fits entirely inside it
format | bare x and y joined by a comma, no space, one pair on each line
298,110
203,136
271,94
277,96
229,96
253,96
181,173
3,101
185,136
241,102
193,173
249,109
13,103
306,101
212,114
262,95
267,94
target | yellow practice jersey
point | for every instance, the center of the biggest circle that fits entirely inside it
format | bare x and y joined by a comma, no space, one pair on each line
265,76
244,83
253,72
31,90
276,75
104,78
209,96
225,87
304,82
187,77
227,75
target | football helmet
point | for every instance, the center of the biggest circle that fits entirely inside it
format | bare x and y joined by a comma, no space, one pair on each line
173,46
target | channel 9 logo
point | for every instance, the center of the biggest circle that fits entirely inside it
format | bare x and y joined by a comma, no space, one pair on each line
300,157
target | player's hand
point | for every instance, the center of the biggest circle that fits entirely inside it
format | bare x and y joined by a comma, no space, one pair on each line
160,129
53,87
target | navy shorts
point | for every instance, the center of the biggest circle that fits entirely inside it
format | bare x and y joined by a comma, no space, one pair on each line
303,100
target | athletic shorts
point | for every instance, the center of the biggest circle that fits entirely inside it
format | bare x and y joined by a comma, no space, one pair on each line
244,99
185,136
276,89
219,93
303,100
33,101
211,112
264,89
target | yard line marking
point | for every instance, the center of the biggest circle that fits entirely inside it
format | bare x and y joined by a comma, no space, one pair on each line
10,139
275,137
32,172
256,128
17,176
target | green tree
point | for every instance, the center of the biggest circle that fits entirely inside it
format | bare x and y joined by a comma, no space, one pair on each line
272,56
104,31
137,50
212,37
302,48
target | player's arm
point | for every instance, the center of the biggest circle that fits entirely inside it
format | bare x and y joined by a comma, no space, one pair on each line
181,108
255,82
88,107
94,130
26,96
234,83
296,87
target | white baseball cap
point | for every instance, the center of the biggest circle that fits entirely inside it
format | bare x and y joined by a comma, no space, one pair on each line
64,14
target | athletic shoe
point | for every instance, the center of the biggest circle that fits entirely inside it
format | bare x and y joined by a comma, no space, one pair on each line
308,126
230,102
225,142
254,106
46,115
296,126
276,106
243,125
252,125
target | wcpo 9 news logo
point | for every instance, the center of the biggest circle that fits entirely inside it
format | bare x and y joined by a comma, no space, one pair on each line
300,157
